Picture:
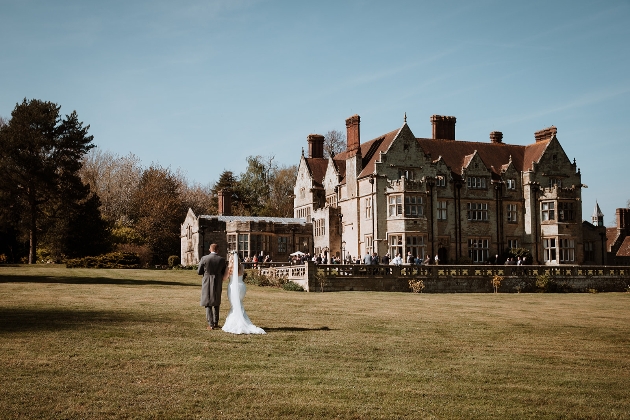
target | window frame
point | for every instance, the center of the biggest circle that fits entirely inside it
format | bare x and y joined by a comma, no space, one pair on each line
512,213
413,202
442,210
477,211
479,249
547,211
476,182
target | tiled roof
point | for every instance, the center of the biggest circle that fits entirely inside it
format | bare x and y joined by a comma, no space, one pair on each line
370,151
373,148
282,220
533,152
611,237
317,167
624,249
341,167
457,153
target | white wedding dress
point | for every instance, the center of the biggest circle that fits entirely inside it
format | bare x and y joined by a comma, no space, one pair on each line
237,321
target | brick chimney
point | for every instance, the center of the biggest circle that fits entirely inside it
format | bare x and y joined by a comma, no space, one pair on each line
225,203
545,133
623,219
443,127
315,145
353,133
496,137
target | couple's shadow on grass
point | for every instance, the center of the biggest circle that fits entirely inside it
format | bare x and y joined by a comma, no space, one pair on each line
294,329
90,280
55,319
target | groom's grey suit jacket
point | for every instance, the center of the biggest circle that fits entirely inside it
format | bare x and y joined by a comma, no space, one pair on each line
212,267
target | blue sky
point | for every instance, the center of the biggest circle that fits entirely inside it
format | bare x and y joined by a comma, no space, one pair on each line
201,85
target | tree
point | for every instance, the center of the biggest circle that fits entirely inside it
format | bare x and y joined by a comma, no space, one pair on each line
280,200
334,143
158,212
114,179
77,230
254,184
40,156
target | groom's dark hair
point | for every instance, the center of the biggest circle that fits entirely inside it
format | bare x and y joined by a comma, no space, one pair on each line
214,247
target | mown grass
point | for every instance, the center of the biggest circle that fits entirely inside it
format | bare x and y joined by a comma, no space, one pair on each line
81,343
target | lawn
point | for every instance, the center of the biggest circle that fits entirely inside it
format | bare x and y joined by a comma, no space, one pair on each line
81,343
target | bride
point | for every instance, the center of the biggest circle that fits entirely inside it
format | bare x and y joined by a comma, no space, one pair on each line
237,321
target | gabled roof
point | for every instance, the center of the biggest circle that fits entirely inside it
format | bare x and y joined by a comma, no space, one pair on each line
457,153
317,168
611,237
376,146
533,153
340,165
370,151
624,249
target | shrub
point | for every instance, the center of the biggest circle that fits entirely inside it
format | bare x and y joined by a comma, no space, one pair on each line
292,287
45,256
496,282
142,251
545,284
173,260
254,277
111,260
521,286
416,286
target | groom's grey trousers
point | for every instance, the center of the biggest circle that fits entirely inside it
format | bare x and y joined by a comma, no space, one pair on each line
212,315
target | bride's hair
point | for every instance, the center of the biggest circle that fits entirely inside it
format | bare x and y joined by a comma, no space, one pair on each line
241,269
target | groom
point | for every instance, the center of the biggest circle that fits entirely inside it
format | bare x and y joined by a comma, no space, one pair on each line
213,269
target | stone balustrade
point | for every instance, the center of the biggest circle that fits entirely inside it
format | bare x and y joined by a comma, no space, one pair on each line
451,278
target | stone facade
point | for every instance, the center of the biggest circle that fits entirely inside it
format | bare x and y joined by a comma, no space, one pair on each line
273,236
464,201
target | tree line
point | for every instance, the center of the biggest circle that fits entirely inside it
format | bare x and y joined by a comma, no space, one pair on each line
61,197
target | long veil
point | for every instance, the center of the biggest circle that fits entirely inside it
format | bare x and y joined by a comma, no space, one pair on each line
235,299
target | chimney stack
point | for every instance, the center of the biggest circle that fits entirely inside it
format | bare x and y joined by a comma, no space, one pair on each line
623,219
315,145
225,202
496,137
545,133
353,133
443,127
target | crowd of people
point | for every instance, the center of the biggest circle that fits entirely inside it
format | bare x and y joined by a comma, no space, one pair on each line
367,259
374,259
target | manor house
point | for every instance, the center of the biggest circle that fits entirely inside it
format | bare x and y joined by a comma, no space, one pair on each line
464,201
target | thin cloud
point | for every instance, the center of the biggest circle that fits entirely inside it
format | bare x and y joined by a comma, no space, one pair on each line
584,100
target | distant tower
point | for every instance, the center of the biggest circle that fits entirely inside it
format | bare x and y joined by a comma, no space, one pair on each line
598,216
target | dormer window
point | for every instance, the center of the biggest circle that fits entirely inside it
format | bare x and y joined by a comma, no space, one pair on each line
476,182
440,181
511,184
